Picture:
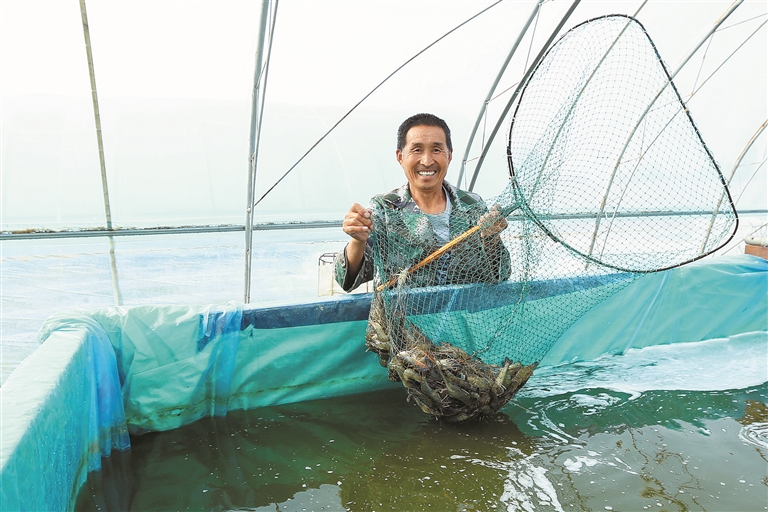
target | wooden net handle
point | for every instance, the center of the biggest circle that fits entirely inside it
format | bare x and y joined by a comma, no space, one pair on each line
432,257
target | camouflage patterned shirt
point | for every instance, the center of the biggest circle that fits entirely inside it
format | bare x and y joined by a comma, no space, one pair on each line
415,243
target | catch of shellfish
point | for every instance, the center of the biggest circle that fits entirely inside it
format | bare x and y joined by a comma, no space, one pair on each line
443,380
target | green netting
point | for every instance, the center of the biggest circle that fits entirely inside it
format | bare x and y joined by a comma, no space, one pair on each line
481,332
610,180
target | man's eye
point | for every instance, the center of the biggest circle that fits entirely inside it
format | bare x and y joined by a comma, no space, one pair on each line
416,150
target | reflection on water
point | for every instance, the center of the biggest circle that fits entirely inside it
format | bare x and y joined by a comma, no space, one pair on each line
594,449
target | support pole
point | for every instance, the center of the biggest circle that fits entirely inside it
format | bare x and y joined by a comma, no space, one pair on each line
736,165
105,190
256,109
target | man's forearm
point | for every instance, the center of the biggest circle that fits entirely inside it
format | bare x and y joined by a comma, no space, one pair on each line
355,251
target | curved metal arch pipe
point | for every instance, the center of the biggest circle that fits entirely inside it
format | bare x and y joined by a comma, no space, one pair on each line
503,69
728,181
533,65
257,110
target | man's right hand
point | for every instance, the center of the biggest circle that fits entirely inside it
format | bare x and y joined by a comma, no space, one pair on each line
357,223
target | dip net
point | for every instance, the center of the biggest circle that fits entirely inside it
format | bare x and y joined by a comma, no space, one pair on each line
609,180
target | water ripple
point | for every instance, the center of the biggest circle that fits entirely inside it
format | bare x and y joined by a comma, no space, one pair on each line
526,486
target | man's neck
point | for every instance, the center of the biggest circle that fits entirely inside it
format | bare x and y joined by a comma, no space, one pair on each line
431,202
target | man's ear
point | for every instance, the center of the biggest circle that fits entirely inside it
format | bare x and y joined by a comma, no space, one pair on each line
399,155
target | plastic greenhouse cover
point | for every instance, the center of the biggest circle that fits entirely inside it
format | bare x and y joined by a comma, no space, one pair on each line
175,114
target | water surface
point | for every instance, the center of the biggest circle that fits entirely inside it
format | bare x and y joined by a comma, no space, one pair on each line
662,428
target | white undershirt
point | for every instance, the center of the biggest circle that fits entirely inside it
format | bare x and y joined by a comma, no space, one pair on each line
440,222
441,227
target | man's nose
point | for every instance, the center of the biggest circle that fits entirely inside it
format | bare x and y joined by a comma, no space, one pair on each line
427,159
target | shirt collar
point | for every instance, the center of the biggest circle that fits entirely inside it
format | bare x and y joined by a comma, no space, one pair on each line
401,198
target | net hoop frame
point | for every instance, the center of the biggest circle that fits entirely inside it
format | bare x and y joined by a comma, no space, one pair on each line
520,195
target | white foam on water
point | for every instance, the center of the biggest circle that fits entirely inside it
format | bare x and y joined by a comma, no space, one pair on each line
553,430
574,465
526,486
737,362
755,434
594,404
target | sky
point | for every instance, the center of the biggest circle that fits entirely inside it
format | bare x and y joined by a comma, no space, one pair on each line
175,79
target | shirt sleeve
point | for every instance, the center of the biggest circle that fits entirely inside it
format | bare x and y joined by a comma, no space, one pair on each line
346,279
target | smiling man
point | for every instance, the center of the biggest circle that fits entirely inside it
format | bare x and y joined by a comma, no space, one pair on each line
421,216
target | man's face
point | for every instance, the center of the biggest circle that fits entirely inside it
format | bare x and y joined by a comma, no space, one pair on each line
425,158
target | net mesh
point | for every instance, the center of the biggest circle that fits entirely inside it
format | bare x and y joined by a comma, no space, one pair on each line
609,179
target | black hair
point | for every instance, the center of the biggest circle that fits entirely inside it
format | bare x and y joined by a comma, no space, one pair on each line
422,120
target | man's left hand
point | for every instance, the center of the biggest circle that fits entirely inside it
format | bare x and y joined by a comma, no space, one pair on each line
492,222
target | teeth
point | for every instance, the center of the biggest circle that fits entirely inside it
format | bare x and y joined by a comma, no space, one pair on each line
427,173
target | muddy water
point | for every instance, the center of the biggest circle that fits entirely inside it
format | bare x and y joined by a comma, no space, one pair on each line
607,435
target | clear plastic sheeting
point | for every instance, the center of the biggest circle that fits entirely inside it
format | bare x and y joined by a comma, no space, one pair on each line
179,363
175,82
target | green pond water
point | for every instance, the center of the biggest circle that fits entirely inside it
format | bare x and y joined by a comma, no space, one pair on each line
583,449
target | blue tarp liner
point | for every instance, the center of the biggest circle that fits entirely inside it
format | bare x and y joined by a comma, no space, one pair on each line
62,410
171,365
715,298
